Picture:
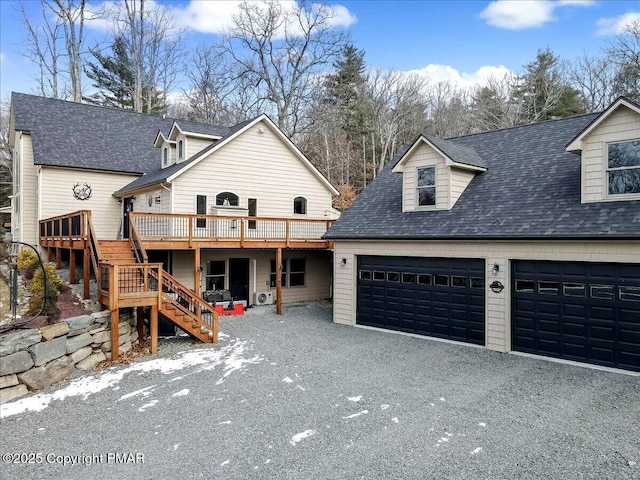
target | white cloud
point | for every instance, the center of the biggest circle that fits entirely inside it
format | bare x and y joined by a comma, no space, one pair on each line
443,73
214,17
616,25
3,57
523,14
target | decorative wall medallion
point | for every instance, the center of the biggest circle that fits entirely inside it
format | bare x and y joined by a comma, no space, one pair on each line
82,191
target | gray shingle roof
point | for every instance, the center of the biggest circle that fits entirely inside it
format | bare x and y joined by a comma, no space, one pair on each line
530,190
68,134
457,152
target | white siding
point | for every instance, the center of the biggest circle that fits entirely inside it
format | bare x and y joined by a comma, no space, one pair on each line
254,165
623,124
424,156
498,305
194,145
106,213
143,204
460,179
27,218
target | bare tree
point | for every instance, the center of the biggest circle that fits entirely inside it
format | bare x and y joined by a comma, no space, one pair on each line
624,51
593,77
6,161
71,15
274,58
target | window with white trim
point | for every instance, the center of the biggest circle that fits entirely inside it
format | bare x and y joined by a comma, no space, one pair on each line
201,209
426,188
216,270
180,149
165,156
227,199
300,206
623,168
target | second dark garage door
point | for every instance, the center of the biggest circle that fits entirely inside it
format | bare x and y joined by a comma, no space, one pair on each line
438,297
588,312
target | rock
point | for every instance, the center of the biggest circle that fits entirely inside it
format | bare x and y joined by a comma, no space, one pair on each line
91,361
55,330
44,352
81,354
122,339
76,343
106,347
97,330
52,372
15,363
101,317
8,381
126,347
18,341
8,394
102,337
124,328
80,324
134,336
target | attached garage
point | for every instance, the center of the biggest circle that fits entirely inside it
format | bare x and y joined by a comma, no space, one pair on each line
587,312
438,297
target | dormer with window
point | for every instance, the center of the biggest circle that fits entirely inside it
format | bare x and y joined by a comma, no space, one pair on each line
180,150
610,154
435,173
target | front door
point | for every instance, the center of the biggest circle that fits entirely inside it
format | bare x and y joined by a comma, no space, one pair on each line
239,278
127,206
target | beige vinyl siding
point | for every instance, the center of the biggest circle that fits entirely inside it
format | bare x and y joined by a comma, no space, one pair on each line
460,179
254,165
163,207
193,145
28,224
498,305
106,212
317,271
623,124
424,156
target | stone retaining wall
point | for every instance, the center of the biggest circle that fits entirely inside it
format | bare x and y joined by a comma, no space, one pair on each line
36,358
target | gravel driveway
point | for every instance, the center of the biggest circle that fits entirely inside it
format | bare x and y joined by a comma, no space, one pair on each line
297,397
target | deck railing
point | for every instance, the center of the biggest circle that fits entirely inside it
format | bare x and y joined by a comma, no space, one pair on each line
72,226
124,284
158,226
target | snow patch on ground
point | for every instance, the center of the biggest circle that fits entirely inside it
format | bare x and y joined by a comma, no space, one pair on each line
355,399
144,407
231,358
145,392
298,437
384,407
476,451
287,380
181,393
363,412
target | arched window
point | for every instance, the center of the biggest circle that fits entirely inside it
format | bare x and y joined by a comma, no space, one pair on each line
165,156
180,148
227,199
300,205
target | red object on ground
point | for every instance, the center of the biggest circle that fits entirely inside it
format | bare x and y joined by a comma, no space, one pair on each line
238,309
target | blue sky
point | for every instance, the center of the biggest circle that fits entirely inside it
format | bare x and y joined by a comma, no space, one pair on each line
464,41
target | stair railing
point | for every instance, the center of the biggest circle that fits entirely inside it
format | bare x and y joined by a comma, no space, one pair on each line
139,251
94,249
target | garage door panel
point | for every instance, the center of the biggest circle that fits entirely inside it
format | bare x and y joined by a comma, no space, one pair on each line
587,319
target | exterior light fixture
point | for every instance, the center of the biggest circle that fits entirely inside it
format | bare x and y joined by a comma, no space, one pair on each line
343,261
495,269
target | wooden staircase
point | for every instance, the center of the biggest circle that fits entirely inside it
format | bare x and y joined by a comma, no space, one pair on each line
178,304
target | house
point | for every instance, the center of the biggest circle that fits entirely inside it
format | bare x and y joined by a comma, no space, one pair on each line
525,239
237,208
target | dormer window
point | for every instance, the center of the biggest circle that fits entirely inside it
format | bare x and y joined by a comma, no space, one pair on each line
165,156
300,206
623,168
180,149
227,199
426,193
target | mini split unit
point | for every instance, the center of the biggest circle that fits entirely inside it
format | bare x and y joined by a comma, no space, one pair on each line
263,298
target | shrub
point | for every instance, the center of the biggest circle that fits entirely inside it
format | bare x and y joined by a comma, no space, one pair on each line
54,287
27,262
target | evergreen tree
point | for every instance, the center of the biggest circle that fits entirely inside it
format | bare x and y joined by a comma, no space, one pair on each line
114,76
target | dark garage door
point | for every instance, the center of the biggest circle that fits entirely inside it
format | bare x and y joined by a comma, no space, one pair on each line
439,297
589,312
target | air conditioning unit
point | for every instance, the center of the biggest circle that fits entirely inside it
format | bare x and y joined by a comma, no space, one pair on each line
263,298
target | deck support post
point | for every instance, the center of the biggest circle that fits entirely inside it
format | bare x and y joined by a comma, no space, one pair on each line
153,330
86,272
72,266
140,319
115,319
58,258
196,271
49,254
279,281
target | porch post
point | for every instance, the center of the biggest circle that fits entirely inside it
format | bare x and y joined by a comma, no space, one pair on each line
86,273
58,258
279,281
115,318
72,266
153,328
140,318
196,271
